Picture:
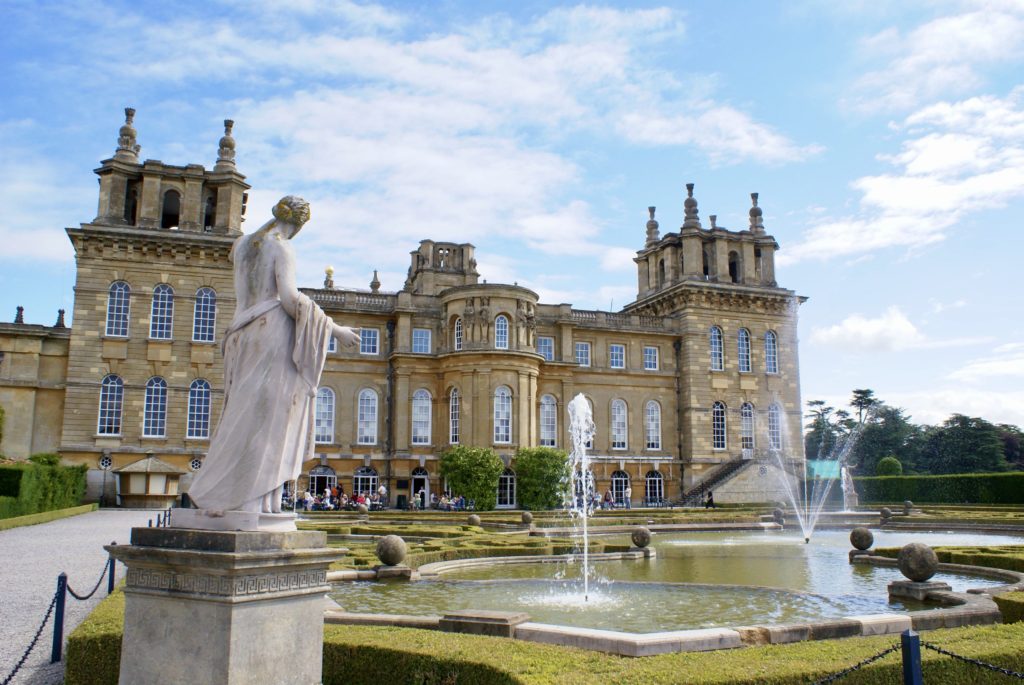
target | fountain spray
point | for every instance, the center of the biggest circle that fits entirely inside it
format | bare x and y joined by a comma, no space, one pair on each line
581,482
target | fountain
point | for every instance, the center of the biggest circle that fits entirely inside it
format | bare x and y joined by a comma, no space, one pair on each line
580,492
850,499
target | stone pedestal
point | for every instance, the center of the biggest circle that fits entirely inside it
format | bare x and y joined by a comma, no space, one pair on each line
223,607
915,590
204,519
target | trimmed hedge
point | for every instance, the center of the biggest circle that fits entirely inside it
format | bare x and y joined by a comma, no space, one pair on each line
1009,557
46,516
354,655
31,488
968,488
1011,605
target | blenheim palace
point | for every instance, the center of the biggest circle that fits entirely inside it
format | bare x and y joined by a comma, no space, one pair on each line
694,384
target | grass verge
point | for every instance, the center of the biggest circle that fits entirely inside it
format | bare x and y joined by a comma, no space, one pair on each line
46,516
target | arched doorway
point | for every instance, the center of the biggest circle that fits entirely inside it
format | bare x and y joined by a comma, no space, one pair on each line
620,488
364,481
507,489
321,478
420,486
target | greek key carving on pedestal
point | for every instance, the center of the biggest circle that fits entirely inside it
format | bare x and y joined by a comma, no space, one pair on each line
227,586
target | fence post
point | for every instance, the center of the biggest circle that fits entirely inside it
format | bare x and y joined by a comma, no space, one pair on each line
110,570
58,618
911,642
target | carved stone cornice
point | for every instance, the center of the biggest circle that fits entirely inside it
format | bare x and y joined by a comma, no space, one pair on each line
134,242
728,298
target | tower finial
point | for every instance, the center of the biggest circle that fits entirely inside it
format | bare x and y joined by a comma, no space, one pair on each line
19,316
652,229
690,206
329,277
375,283
756,222
127,147
226,153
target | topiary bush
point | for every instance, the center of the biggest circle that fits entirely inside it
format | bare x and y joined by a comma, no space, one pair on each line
1011,605
36,486
889,466
473,472
541,477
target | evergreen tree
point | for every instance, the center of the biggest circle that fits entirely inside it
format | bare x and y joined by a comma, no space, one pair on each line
964,444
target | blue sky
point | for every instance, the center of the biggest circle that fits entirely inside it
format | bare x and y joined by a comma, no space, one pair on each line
886,141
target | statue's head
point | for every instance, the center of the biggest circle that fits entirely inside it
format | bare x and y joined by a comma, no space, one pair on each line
293,210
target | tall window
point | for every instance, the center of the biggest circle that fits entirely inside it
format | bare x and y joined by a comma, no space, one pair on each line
771,352
583,353
324,417
366,430
654,487
501,332
368,341
199,409
154,418
421,417
118,304
743,350
718,426
421,341
650,358
111,401
717,353
746,426
502,415
620,486
546,348
618,425
161,317
205,320
775,427
548,421
171,211
457,335
652,425
332,345
453,417
507,489
617,356
364,480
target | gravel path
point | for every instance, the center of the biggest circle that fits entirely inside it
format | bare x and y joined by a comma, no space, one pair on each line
31,558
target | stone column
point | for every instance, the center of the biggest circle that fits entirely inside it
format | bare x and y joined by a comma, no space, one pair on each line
223,607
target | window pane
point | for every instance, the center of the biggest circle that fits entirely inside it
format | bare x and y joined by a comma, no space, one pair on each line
546,348
775,427
650,358
583,353
618,425
654,487
717,354
118,304
501,332
332,345
154,420
324,416
743,350
453,417
421,418
652,425
548,421
771,353
718,426
617,356
205,318
199,409
111,400
502,415
368,341
161,318
367,418
458,335
747,426
421,340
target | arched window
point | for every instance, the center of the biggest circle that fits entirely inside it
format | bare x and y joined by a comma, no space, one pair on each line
743,350
421,417
771,352
119,298
507,489
502,415
364,481
747,427
199,409
706,266
453,417
620,487
735,274
111,401
718,426
210,212
717,352
204,320
366,430
170,216
321,479
661,272
775,427
652,425
654,488
131,202
548,421
154,417
618,425
324,416
161,316
501,332
457,335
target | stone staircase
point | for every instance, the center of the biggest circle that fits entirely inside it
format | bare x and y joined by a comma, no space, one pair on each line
694,497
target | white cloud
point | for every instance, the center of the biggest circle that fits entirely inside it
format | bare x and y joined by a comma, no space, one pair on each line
892,331
935,405
1005,362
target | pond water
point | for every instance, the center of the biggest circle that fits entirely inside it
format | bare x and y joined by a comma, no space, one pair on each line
698,580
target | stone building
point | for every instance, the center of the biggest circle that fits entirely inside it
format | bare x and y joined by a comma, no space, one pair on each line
691,384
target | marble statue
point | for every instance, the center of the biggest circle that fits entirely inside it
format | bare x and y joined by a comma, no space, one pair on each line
274,352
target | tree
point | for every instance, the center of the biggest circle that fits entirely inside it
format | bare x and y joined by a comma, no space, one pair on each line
541,477
473,472
821,433
886,432
964,444
889,466
1013,444
863,400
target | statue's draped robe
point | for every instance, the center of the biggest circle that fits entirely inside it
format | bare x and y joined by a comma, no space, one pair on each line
272,366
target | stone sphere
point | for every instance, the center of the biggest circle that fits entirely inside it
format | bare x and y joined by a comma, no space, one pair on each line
778,516
918,562
908,507
391,550
363,509
641,536
861,538
527,518
473,520
886,512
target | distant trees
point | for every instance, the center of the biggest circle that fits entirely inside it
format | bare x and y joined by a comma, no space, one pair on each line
889,466
961,444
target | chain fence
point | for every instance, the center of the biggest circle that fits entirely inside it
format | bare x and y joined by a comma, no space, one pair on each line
975,662
95,587
32,644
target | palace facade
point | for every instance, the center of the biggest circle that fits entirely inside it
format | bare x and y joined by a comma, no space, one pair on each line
694,384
